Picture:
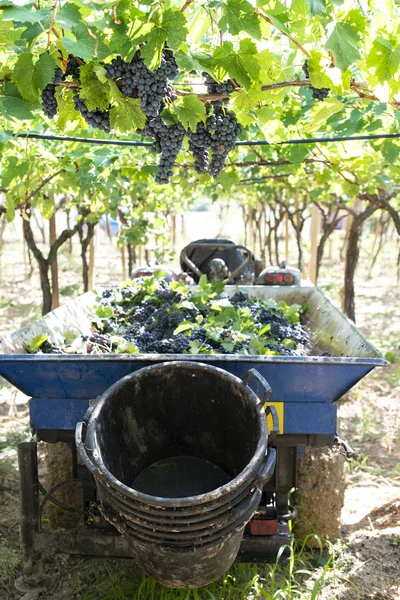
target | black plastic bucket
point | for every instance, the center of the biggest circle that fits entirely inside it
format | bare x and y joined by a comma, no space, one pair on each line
179,454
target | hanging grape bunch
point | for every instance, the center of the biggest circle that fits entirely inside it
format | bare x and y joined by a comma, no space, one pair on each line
168,142
317,93
49,101
219,133
209,144
137,81
97,118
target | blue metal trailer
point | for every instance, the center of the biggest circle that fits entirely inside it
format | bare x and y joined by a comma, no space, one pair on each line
304,393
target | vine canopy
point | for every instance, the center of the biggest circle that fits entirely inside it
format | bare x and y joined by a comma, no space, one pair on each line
276,55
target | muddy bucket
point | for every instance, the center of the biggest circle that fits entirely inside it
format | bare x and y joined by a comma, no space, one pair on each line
179,452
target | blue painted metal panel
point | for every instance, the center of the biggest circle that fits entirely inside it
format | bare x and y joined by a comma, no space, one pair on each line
60,413
303,380
56,413
310,418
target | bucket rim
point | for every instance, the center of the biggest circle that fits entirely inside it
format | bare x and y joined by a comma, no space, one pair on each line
96,465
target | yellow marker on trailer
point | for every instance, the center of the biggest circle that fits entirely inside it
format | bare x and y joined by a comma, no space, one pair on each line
280,411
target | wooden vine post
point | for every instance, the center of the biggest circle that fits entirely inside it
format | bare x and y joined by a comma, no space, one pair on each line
123,262
92,248
314,235
286,218
55,297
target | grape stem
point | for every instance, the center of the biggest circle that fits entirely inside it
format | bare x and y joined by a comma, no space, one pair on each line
51,26
285,33
186,5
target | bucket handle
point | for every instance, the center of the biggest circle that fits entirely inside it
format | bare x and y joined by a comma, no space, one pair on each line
269,409
80,432
261,380
268,469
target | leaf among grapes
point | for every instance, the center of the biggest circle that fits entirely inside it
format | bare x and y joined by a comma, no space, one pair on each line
31,78
244,102
67,116
86,45
15,108
92,90
321,113
190,111
323,75
34,345
170,27
127,115
184,326
69,16
343,43
241,64
316,7
25,14
239,16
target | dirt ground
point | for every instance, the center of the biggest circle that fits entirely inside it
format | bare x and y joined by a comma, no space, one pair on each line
368,556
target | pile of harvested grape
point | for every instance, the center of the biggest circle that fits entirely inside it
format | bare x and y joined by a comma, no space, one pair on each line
151,315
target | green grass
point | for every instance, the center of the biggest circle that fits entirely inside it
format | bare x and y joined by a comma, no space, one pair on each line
366,427
304,577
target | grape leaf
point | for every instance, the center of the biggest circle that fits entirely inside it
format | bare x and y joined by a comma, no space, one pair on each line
85,45
300,7
15,108
190,111
21,14
36,342
239,16
92,90
170,27
199,24
127,115
343,43
23,77
14,168
227,178
30,78
384,58
245,101
44,70
316,7
66,113
69,16
120,39
184,326
4,3
8,35
192,62
241,64
321,114
46,205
